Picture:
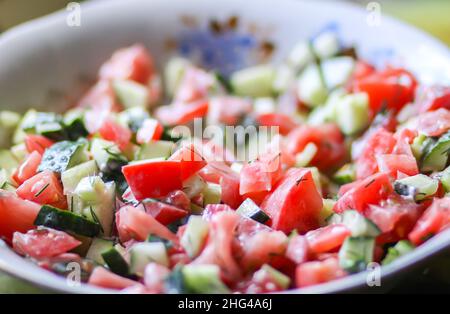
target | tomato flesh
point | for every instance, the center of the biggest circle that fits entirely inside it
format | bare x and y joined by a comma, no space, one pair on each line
28,168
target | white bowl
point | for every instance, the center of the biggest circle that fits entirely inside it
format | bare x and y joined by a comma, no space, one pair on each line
45,63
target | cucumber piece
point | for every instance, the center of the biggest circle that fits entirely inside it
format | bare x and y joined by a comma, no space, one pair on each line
64,220
418,145
346,174
133,117
212,194
130,93
5,181
303,158
8,161
155,149
144,253
193,186
352,114
63,155
194,236
115,262
74,124
326,45
196,209
167,243
174,72
417,187
8,123
311,88
444,177
278,277
203,279
48,124
71,177
327,212
401,248
356,253
264,105
255,81
337,71
300,55
90,189
435,156
284,78
97,248
359,225
19,151
249,209
328,112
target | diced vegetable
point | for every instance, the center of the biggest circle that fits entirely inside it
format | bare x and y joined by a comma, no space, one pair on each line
401,248
141,254
63,155
131,94
194,237
417,187
71,177
249,209
254,82
115,262
435,155
356,253
97,248
203,279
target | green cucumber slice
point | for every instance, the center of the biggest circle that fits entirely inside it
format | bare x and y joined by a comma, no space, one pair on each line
194,236
255,81
97,248
155,149
249,209
115,262
130,93
401,248
435,156
356,253
71,177
416,187
203,279
63,155
144,253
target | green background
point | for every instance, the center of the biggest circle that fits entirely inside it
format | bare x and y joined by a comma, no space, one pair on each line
430,15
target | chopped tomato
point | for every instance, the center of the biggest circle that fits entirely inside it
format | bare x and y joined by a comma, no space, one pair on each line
153,179
212,209
151,130
101,98
195,85
404,140
392,163
391,88
380,142
313,273
101,277
182,113
43,243
228,110
28,168
362,193
179,199
298,249
434,220
433,98
434,123
328,139
191,161
164,213
327,238
114,132
295,204
37,143
16,214
362,70
131,63
44,188
135,223
284,122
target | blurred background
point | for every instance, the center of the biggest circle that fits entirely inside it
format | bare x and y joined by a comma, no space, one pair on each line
430,15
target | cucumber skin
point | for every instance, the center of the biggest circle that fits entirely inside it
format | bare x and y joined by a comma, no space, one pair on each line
116,263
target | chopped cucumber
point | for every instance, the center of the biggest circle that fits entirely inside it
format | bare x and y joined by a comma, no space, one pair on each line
311,88
64,220
71,177
47,124
356,253
278,277
212,194
352,114
337,71
255,81
115,262
74,124
194,236
133,117
303,158
284,78
193,186
264,105
19,151
418,144
8,123
326,45
173,73
345,174
155,149
300,55
327,211
401,248
417,187
444,177
144,253
203,279
64,155
7,160
130,93
97,248
328,112
249,209
435,156
5,181
356,223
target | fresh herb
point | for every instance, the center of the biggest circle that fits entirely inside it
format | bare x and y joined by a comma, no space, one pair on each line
42,190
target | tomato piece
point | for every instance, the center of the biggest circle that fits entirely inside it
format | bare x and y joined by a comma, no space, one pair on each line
316,272
28,168
135,223
404,140
295,204
114,132
228,110
44,188
164,213
212,209
261,248
328,140
191,160
434,220
380,142
393,163
362,70
365,192
391,88
434,123
16,214
101,98
43,243
37,143
101,277
181,113
178,199
218,249
153,179
298,249
433,98
284,122
195,85
151,130
131,63
327,238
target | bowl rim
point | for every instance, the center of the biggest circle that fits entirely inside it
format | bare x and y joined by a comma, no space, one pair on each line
33,274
